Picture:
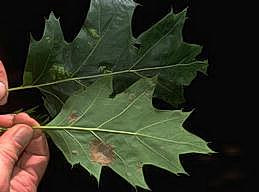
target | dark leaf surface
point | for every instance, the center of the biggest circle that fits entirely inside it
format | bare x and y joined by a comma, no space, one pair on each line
105,46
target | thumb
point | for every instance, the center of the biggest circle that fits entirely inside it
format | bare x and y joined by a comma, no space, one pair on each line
3,85
12,144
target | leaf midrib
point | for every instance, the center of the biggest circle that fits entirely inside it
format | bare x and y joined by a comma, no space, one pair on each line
137,133
103,75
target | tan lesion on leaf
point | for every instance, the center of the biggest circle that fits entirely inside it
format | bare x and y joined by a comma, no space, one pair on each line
101,153
72,117
132,96
139,167
75,152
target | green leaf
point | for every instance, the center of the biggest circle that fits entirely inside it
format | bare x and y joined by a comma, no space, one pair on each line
99,88
171,82
162,48
124,133
105,46
102,39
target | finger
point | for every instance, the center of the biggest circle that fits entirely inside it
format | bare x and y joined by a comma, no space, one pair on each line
24,118
7,120
33,161
21,118
12,143
36,155
3,85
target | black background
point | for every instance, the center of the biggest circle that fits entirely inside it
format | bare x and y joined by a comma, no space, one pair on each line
222,172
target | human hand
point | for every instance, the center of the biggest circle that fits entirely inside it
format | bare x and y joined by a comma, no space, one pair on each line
3,85
24,154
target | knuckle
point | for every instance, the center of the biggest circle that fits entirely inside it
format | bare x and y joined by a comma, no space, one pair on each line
22,125
23,114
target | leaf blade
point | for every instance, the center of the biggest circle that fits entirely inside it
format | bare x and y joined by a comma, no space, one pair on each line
131,127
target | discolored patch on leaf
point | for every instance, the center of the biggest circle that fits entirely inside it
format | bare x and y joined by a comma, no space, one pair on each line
132,97
139,166
72,117
101,153
75,152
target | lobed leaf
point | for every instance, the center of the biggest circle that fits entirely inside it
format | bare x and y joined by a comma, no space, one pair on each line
124,133
105,46
99,88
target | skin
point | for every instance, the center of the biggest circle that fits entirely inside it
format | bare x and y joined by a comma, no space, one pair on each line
24,151
3,85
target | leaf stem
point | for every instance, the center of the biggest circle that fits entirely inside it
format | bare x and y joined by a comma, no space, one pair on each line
90,129
99,75
2,129
137,134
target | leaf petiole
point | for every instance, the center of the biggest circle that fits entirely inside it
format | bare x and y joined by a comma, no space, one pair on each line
2,129
100,75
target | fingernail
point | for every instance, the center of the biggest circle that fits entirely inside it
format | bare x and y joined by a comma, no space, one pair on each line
2,90
23,135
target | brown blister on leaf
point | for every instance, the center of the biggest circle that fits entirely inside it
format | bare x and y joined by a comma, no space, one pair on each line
132,96
139,166
75,152
72,117
101,153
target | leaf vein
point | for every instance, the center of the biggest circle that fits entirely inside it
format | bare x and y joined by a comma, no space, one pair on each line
77,141
122,112
88,108
95,47
155,151
155,44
